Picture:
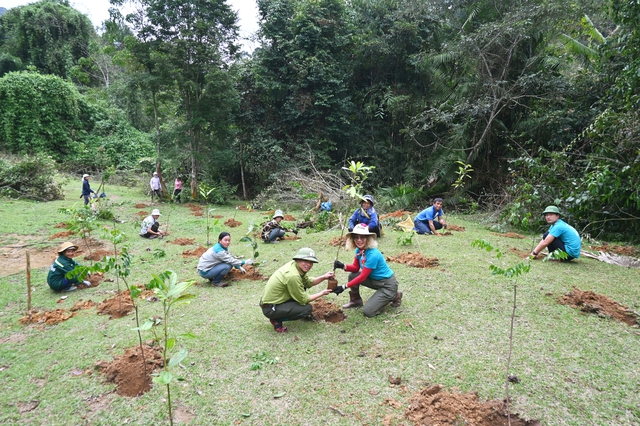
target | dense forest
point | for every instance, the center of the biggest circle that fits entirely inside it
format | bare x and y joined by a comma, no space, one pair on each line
508,105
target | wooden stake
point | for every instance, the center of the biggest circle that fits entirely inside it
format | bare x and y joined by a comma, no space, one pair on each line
29,285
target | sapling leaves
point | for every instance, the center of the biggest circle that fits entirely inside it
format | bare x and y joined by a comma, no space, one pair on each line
164,378
177,358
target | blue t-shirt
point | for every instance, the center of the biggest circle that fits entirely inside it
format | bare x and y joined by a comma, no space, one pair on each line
429,214
569,236
374,260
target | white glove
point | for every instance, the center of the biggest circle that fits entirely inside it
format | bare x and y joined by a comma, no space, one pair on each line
249,262
244,271
87,283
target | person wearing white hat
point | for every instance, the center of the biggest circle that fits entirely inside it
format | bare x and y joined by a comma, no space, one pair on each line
155,186
151,226
272,230
370,270
284,297
64,263
86,189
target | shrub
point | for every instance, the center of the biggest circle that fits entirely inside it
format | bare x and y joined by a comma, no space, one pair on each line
30,177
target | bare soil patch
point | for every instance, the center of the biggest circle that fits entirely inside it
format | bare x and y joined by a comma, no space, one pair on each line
47,317
396,214
590,302
456,228
94,279
290,238
131,372
14,338
245,208
621,250
141,205
217,216
196,209
433,406
525,254
62,225
338,241
289,218
509,235
232,223
81,305
116,307
13,258
415,260
142,213
183,241
99,254
63,234
252,274
196,252
326,311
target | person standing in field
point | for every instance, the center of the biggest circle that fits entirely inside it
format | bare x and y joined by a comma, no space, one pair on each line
86,189
429,220
155,186
177,189
284,297
560,236
64,263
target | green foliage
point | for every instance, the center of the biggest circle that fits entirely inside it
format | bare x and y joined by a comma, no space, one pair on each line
400,197
29,177
358,174
251,238
406,238
260,359
463,172
323,221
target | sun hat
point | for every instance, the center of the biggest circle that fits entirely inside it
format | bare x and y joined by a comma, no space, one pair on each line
155,173
66,246
278,213
361,229
551,209
85,175
368,198
306,253
155,212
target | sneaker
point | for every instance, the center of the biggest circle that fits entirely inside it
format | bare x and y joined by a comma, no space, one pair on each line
153,237
221,284
71,288
397,301
274,242
278,326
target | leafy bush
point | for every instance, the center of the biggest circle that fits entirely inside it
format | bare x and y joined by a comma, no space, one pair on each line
400,197
30,177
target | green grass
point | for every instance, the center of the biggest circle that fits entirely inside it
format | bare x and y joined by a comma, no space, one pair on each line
574,369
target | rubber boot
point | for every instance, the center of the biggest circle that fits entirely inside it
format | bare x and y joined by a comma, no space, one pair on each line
355,301
397,301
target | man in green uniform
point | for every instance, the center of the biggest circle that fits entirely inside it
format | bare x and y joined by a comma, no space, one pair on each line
284,297
63,264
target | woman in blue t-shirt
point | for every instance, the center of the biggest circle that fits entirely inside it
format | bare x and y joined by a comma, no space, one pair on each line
370,270
559,237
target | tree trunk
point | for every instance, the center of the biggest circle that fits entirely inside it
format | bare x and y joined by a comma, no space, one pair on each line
244,186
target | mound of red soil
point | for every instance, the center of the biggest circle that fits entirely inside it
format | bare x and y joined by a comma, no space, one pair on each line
289,218
269,213
232,223
98,254
621,250
338,241
396,214
142,213
116,307
47,317
590,302
183,241
94,279
525,254
81,305
131,372
509,235
195,209
456,228
252,274
325,311
61,235
62,225
217,216
432,406
290,238
415,260
196,252
141,205
244,208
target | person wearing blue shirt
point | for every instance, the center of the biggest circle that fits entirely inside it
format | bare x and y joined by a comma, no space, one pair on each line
430,219
366,215
560,236
86,189
370,270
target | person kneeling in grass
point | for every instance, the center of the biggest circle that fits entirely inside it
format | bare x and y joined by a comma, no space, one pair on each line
284,297
63,264
216,262
560,236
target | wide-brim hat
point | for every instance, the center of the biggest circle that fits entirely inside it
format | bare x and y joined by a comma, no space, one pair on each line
368,198
155,212
66,246
361,229
278,213
306,254
85,175
551,209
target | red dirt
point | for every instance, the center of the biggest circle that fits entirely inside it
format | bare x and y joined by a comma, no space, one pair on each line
509,235
116,307
289,218
97,255
590,302
217,216
332,283
94,279
456,228
252,274
128,371
415,260
61,235
195,209
290,238
183,241
338,241
232,223
525,254
47,317
81,305
244,208
432,406
622,250
269,213
196,252
143,213
397,214
141,205
325,311
62,225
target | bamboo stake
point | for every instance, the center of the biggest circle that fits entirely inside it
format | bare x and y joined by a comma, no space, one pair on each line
29,285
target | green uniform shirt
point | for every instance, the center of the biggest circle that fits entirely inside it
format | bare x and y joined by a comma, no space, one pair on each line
60,267
287,283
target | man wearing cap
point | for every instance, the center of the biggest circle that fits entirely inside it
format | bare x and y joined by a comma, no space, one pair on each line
155,185
272,230
151,226
366,215
560,236
284,297
86,189
429,220
63,264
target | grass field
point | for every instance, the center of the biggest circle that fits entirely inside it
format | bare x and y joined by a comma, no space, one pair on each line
452,328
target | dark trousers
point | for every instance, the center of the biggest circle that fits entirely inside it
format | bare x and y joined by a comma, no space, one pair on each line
556,244
423,227
287,311
176,195
154,228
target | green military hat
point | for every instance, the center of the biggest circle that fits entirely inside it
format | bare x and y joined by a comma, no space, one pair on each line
551,209
306,254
